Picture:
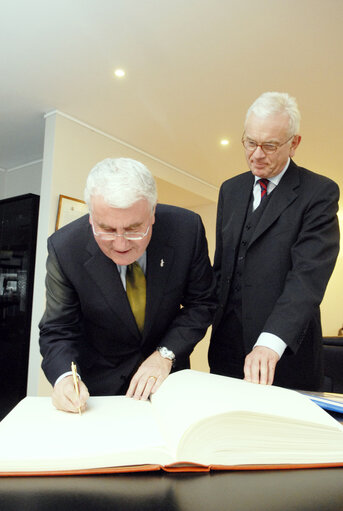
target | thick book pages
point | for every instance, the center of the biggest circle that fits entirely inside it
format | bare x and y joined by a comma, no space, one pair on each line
195,421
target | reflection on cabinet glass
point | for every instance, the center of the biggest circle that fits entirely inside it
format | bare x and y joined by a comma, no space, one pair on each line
18,232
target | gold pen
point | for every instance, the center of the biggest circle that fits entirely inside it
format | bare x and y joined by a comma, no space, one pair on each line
76,382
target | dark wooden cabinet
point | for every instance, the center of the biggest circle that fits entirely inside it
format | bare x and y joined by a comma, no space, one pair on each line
18,233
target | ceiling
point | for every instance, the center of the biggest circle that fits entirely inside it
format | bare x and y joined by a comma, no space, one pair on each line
193,67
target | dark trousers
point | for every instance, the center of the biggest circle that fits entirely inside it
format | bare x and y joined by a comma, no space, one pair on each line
226,353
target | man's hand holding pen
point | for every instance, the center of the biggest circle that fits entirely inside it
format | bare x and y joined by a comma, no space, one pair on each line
64,396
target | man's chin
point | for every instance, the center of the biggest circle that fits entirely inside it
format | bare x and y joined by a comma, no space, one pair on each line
123,258
259,171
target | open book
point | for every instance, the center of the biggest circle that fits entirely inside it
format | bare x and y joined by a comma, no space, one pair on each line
195,420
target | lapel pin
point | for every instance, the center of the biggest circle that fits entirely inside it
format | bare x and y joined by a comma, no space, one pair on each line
162,263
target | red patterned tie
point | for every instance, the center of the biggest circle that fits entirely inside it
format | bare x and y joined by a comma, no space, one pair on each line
263,184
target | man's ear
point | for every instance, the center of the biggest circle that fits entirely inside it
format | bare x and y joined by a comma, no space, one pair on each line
153,215
295,142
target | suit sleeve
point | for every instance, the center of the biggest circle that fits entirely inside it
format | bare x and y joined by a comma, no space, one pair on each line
60,330
198,303
313,257
219,240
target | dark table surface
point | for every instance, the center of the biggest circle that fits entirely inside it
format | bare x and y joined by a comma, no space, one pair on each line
274,490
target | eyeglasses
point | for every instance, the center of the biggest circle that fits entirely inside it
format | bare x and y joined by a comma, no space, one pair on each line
108,236
267,147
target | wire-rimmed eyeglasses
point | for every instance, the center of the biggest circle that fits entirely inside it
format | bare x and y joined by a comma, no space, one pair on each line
129,235
267,147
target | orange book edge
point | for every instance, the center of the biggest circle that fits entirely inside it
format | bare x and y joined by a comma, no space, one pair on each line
176,468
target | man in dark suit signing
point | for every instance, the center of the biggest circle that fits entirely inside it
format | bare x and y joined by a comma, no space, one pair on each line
277,240
130,289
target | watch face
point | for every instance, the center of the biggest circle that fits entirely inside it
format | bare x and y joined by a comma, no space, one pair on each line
165,353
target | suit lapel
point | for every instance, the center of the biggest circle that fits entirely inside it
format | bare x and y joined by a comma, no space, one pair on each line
241,207
159,263
283,195
238,203
105,276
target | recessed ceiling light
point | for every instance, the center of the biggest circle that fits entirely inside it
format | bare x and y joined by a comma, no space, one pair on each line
224,142
119,73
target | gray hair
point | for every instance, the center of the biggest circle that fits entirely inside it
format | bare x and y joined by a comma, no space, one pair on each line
271,103
121,182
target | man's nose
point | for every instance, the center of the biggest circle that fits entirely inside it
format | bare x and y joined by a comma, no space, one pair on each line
120,241
259,153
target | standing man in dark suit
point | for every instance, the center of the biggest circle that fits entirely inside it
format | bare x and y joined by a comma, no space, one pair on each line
277,241
124,324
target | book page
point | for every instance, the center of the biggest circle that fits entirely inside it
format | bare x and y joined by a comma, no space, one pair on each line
113,431
189,396
240,438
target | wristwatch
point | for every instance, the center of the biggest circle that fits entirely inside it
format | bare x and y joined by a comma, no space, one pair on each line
165,353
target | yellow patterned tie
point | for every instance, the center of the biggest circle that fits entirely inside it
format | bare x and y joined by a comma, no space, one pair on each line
136,292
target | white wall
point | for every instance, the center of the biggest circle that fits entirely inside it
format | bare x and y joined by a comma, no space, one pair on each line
2,184
23,179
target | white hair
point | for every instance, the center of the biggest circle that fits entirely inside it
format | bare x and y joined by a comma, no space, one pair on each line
120,182
271,103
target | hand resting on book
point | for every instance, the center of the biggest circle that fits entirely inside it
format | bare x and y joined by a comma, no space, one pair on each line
259,366
149,377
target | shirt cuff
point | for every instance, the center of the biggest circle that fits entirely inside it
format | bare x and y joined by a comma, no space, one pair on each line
271,341
68,373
